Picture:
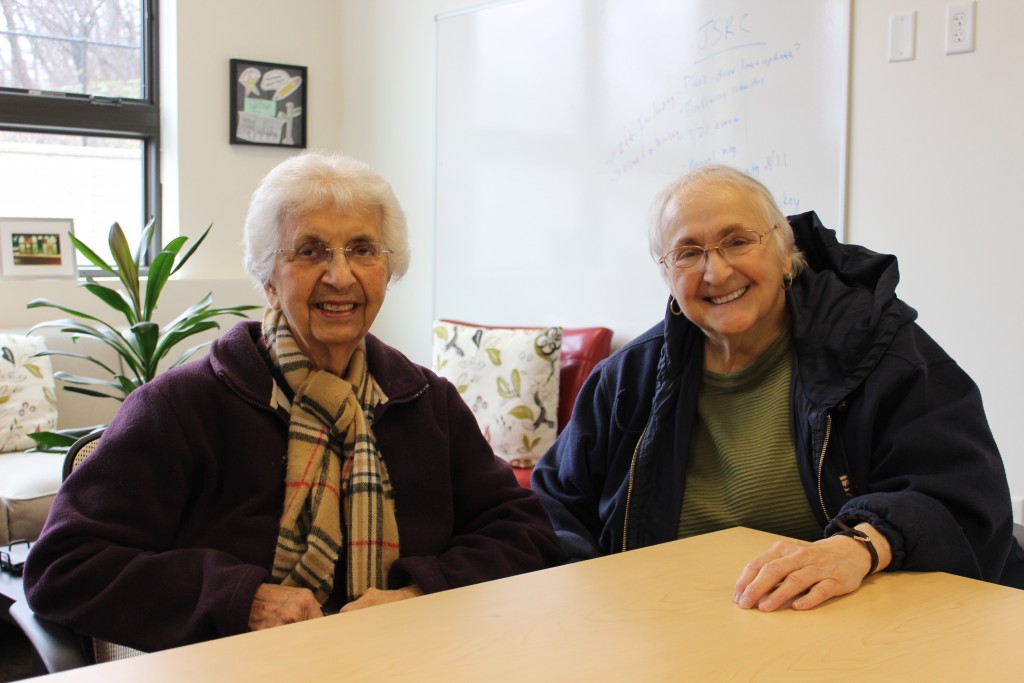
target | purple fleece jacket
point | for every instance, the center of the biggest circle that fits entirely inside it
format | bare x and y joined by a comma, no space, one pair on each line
162,536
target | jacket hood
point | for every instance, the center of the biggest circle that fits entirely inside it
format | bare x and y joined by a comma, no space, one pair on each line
845,310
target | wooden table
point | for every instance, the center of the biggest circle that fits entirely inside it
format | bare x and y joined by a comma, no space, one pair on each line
658,614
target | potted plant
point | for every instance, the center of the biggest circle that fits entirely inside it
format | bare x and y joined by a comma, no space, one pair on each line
143,344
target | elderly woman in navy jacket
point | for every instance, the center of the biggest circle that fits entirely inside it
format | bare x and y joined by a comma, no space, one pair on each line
303,467
788,389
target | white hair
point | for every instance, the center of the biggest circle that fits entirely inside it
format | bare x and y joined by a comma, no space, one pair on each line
311,181
664,208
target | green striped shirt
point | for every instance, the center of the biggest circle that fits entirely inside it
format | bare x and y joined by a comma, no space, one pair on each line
742,469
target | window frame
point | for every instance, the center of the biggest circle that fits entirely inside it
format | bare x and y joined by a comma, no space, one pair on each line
36,111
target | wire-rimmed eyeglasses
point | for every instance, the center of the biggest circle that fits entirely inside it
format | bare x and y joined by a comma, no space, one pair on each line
359,254
730,247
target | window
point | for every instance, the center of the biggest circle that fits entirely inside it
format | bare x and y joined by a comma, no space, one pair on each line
79,114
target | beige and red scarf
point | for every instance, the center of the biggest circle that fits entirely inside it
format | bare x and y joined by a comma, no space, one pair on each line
333,472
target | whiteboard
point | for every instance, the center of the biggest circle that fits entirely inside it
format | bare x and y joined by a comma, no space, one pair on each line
558,121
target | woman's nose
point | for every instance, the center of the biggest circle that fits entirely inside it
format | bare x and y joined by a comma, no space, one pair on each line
716,267
338,269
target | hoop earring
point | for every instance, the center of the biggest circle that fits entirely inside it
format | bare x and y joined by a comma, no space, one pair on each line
674,308
787,280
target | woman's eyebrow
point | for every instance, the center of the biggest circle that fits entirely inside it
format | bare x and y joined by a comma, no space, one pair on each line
722,232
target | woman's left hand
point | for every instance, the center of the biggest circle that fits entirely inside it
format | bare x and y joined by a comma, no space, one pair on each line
375,596
813,571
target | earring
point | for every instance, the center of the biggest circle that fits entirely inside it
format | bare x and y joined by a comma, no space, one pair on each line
674,308
787,280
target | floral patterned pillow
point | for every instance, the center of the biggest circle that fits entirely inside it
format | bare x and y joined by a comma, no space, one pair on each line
509,378
28,402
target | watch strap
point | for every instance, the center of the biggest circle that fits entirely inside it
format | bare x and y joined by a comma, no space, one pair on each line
863,538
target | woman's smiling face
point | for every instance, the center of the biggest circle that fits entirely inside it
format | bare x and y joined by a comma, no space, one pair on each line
739,302
330,306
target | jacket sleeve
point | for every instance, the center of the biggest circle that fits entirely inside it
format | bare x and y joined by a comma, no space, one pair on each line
934,483
571,476
484,525
110,562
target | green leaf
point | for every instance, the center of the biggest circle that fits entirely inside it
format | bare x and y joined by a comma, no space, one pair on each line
189,353
441,332
97,394
159,272
4,399
494,355
145,240
522,413
127,269
111,298
46,303
517,382
188,254
462,388
69,354
68,378
52,439
34,369
128,385
91,255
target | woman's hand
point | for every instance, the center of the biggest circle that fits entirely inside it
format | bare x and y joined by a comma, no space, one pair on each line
275,605
375,596
813,571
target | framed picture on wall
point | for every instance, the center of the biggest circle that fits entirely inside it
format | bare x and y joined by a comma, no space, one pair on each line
36,247
268,104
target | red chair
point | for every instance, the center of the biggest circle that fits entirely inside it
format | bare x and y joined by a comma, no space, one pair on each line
582,349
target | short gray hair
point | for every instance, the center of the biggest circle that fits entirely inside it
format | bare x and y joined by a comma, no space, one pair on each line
311,181
663,208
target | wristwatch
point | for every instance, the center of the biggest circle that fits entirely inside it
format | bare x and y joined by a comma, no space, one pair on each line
863,538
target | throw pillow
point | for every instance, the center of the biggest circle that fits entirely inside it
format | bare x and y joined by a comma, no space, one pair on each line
28,401
509,378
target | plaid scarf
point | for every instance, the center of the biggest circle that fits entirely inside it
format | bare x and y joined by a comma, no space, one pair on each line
330,449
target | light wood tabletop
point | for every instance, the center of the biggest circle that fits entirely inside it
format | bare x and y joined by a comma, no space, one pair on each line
663,613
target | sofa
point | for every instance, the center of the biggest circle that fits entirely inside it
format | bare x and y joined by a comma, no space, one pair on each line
30,401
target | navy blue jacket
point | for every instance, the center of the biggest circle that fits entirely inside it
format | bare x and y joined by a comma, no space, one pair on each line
888,429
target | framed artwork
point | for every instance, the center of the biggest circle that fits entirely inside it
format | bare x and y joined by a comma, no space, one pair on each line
36,247
268,104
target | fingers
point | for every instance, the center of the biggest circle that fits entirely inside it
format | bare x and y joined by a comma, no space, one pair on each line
807,574
762,574
374,596
275,605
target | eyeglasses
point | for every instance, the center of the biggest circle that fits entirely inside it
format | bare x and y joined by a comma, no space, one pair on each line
358,254
730,247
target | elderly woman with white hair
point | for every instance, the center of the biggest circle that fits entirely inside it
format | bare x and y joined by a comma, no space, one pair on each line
789,390
302,467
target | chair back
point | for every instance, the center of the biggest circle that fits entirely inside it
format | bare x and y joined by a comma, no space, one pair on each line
81,450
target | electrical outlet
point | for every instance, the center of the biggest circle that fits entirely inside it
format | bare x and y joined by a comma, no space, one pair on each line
960,28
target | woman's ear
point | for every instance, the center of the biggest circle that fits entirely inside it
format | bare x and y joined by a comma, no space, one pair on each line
272,298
